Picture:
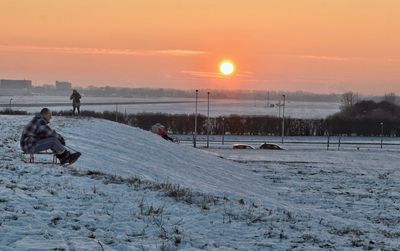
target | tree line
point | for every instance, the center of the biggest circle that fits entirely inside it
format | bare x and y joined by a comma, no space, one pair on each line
356,118
341,124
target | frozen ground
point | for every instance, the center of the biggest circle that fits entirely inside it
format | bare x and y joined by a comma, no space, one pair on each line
218,107
132,190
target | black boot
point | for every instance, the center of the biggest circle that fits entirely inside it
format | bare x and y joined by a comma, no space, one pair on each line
64,157
73,157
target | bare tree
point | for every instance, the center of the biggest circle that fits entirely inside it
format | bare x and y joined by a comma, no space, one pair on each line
390,97
348,99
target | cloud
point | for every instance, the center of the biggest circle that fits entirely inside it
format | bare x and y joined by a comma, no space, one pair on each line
101,51
180,53
327,58
207,74
202,74
393,60
348,59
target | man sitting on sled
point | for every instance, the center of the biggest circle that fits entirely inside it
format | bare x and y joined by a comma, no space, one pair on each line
38,137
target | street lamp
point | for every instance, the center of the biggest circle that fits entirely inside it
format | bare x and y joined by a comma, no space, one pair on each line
279,109
208,119
116,112
381,134
223,130
283,117
195,121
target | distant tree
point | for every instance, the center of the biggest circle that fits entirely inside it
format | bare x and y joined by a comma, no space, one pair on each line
390,97
348,100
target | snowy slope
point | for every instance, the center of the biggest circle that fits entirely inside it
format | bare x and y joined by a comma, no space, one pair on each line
126,151
117,195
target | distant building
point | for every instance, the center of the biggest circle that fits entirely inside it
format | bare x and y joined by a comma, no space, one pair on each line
10,87
15,84
63,86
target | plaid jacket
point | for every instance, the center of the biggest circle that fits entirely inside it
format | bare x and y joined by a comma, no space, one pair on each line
36,130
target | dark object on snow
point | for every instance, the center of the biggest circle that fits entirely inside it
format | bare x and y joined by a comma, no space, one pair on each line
76,101
160,130
242,146
67,158
271,146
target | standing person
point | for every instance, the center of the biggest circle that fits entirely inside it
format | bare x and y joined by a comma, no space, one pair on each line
76,101
38,136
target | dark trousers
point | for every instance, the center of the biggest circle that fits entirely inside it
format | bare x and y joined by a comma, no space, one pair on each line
77,108
168,138
49,143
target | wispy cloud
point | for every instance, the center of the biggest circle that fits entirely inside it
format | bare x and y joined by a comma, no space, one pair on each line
327,58
202,74
393,60
348,59
180,53
101,51
207,74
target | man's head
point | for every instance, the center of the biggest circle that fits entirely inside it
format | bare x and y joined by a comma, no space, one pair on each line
46,113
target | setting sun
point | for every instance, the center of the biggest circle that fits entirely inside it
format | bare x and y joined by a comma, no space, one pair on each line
227,67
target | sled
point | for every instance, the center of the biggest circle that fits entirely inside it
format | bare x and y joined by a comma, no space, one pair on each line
73,159
31,158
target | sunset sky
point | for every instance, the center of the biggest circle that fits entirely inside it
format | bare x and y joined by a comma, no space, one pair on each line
310,45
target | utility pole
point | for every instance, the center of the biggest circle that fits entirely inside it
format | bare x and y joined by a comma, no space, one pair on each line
195,121
267,100
116,112
283,117
381,134
279,109
208,119
223,130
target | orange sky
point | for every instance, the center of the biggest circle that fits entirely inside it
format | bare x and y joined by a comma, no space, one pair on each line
310,45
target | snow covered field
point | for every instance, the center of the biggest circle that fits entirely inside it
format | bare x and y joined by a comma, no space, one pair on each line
217,106
132,190
346,142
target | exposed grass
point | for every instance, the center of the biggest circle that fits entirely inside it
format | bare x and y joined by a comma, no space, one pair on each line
8,111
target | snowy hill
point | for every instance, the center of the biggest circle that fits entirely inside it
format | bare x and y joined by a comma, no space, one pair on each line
132,190
132,152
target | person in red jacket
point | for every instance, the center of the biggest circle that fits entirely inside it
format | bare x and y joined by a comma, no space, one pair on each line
163,133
